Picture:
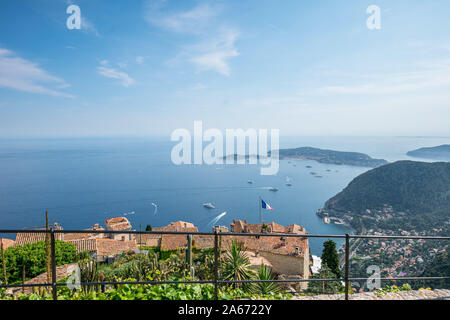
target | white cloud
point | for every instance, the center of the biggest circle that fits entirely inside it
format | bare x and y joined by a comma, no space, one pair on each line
194,20
215,44
20,74
125,79
214,54
88,27
199,86
140,59
434,75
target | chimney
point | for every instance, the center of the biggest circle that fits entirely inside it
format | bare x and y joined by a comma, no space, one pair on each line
245,220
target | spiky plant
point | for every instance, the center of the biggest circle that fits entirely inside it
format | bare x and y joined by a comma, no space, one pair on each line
88,273
236,264
264,288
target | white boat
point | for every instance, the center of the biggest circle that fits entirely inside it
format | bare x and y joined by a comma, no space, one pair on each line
288,181
209,205
273,189
249,181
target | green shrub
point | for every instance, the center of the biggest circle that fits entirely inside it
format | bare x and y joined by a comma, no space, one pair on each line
33,256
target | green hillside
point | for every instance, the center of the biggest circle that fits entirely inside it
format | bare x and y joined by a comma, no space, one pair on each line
405,185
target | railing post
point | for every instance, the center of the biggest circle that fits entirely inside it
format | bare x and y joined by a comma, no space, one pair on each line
347,258
216,265
53,253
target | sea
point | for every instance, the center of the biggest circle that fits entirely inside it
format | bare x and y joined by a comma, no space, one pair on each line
83,181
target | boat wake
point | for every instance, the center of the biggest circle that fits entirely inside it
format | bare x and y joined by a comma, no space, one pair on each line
216,219
156,208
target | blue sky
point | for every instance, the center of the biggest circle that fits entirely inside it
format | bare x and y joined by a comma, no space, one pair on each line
149,67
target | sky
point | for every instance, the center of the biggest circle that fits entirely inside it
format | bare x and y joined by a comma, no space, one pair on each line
148,67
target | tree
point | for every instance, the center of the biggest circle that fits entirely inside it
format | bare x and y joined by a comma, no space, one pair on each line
324,286
330,257
33,257
236,264
148,228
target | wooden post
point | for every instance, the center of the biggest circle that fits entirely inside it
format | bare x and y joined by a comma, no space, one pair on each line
23,278
216,265
347,262
47,250
53,264
189,252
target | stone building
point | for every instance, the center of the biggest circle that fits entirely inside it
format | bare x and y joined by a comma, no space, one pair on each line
289,256
118,224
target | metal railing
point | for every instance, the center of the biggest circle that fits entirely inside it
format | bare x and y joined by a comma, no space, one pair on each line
216,281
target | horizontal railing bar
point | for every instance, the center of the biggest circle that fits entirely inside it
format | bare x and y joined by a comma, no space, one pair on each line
401,278
243,234
398,237
181,233
219,281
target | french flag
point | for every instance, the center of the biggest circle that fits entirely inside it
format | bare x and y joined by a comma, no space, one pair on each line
265,205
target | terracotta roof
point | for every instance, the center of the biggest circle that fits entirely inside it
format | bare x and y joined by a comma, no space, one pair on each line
82,245
173,242
104,247
178,226
26,237
7,243
273,227
81,236
288,246
118,224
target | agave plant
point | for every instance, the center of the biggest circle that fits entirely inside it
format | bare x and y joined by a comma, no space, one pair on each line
236,264
264,288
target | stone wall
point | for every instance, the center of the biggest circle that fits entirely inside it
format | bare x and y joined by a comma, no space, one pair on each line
61,272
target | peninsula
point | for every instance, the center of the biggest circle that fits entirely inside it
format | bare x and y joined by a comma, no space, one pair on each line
439,152
331,157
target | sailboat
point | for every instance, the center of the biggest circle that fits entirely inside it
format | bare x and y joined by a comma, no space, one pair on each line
288,181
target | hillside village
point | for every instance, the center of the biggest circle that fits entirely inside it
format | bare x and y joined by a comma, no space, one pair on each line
288,257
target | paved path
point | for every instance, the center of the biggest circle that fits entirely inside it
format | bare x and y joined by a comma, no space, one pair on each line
438,294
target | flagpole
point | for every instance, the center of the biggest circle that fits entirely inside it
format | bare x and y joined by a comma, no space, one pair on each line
259,206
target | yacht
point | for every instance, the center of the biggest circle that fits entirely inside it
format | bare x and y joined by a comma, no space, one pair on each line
273,189
209,205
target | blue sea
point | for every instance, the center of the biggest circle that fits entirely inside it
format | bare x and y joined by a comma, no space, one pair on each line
84,181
